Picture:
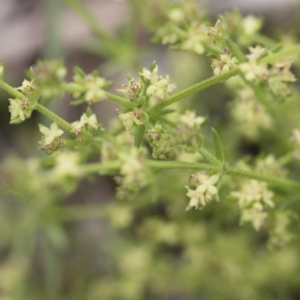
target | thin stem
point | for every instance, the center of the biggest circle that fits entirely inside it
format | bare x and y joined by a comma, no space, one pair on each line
53,116
155,164
235,50
195,88
258,38
281,55
208,156
286,183
122,101
11,90
102,167
109,167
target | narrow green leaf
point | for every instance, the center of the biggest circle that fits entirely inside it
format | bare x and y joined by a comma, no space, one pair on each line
219,152
139,135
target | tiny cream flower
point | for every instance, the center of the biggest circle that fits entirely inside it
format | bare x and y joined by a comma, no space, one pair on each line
129,119
251,25
91,121
253,198
95,91
16,110
151,76
194,41
66,165
204,192
27,87
160,88
189,118
50,134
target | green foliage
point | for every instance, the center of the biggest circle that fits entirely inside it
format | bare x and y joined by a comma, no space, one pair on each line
168,232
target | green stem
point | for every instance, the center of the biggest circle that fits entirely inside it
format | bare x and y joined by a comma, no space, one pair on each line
11,90
54,117
235,50
281,55
195,88
208,156
73,88
263,177
261,39
78,212
122,101
213,49
111,167
102,167
155,164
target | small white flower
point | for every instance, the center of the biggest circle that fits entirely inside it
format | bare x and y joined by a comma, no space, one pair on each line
189,118
204,191
129,119
91,121
50,134
27,87
151,76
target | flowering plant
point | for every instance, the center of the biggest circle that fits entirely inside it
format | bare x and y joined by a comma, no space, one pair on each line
172,177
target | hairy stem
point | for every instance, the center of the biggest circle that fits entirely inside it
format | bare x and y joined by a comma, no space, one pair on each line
155,164
276,181
11,90
281,55
195,88
54,117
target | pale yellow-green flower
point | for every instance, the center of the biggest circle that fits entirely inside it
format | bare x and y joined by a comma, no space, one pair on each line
190,119
91,121
253,198
204,192
50,134
129,119
16,110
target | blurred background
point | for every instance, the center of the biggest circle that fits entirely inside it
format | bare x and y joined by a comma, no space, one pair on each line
86,245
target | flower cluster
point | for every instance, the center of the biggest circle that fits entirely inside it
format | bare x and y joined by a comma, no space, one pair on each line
132,89
296,141
249,115
132,118
224,62
162,143
132,172
158,87
182,26
89,87
52,138
88,122
48,77
205,189
242,29
253,198
22,109
26,88
188,129
217,33
280,76
253,69
279,233
269,165
196,36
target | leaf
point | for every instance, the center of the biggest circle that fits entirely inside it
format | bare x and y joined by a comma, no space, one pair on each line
77,71
77,101
139,135
219,152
